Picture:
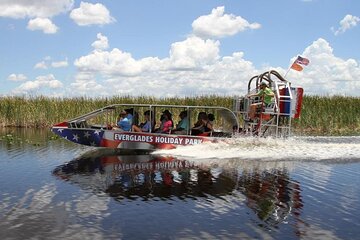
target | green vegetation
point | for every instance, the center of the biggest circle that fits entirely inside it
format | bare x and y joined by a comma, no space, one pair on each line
335,115
320,115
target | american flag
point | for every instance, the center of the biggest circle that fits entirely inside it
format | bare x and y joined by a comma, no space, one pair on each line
88,137
302,61
296,67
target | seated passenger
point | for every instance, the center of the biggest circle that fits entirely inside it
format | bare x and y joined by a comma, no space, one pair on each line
182,126
130,115
211,118
166,122
145,126
266,95
202,126
124,123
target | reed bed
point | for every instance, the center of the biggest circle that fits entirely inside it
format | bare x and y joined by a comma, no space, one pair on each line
335,115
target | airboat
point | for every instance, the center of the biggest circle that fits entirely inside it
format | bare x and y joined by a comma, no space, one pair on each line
98,128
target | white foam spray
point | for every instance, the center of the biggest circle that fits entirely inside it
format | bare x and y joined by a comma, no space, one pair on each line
269,149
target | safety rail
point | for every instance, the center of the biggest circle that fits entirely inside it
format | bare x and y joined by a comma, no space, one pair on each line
270,121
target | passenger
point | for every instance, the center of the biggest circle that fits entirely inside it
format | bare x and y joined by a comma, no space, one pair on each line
266,95
130,115
182,126
124,122
211,118
145,126
199,123
166,122
202,126
135,120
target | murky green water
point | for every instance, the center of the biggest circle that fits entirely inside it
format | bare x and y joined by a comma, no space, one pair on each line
244,189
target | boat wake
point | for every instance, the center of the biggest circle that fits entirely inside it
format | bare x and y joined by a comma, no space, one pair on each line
332,149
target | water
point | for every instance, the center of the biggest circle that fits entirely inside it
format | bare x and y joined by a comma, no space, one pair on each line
242,189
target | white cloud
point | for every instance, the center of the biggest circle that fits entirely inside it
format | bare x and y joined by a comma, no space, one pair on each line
60,64
91,14
42,24
28,86
102,42
40,82
55,64
194,52
32,9
114,62
194,66
85,84
346,23
191,53
217,24
40,65
17,77
326,73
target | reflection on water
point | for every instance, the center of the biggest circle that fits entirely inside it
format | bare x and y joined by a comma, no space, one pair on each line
242,189
270,194
147,177
22,136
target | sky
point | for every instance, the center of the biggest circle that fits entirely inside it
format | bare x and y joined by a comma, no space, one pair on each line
166,48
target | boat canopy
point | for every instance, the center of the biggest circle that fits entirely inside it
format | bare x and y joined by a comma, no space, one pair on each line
225,120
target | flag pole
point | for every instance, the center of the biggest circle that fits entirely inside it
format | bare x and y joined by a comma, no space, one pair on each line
287,71
290,67
298,64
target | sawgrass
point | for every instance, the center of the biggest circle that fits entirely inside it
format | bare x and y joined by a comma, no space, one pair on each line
323,115
337,115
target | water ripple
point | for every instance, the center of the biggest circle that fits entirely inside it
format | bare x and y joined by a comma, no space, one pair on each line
243,188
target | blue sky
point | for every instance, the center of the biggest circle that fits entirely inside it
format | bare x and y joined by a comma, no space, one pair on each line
70,48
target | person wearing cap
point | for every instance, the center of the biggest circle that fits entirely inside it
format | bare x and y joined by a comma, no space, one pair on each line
125,119
266,95
124,123
130,115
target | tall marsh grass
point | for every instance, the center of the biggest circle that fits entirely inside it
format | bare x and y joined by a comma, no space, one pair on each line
320,115
44,112
337,115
